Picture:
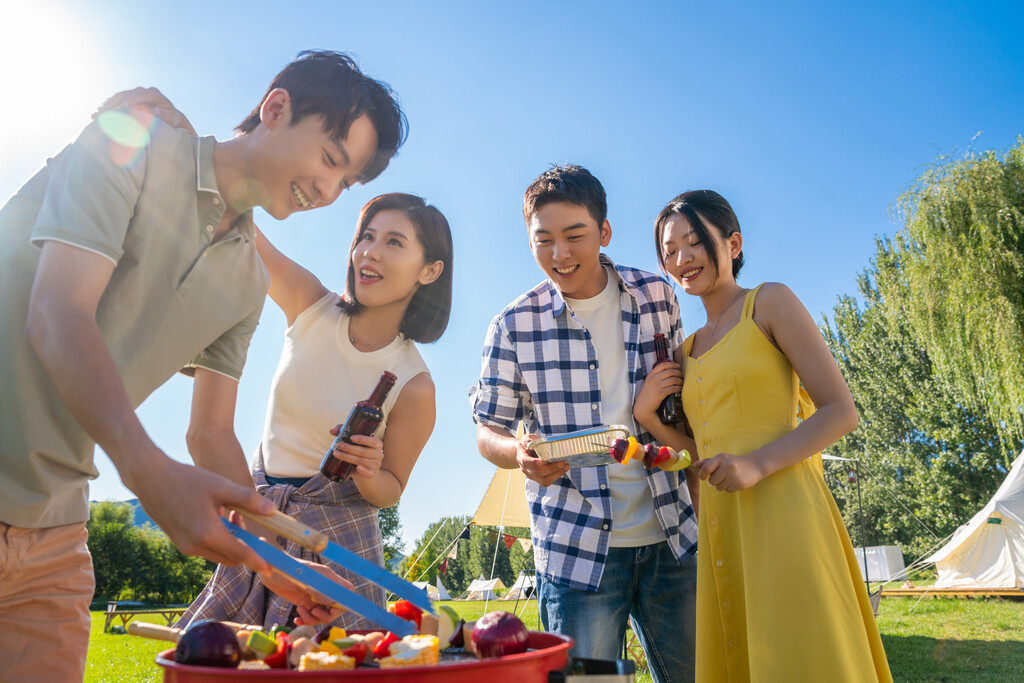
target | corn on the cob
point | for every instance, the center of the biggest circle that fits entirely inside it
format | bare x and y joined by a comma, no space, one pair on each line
412,651
324,661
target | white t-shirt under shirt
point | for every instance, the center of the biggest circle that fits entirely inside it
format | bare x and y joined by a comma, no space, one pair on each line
633,520
320,377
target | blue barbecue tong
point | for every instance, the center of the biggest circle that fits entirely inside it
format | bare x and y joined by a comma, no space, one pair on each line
315,541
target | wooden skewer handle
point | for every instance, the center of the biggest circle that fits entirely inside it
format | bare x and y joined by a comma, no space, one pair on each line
289,528
155,631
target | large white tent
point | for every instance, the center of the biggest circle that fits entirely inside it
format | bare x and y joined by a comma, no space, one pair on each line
438,592
988,551
504,503
483,589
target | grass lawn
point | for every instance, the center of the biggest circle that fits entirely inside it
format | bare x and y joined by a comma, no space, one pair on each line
935,640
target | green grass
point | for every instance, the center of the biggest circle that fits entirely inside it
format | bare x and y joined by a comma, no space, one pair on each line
935,640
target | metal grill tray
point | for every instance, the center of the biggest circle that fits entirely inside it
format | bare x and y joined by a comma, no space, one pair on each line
584,448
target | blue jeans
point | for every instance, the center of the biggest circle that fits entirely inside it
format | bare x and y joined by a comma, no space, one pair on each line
648,586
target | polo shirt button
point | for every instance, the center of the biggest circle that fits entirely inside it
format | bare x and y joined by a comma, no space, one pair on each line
605,527
209,228
216,201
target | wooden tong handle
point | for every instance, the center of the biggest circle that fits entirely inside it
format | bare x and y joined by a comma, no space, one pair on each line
155,631
288,527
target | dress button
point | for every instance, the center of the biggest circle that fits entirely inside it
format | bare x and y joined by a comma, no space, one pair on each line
209,228
700,362
700,379
718,563
725,603
714,522
705,446
702,401
703,424
730,643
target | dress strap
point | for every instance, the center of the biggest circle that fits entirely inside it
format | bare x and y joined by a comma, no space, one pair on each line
748,303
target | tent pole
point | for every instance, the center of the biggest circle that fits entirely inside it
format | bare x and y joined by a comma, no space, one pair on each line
863,540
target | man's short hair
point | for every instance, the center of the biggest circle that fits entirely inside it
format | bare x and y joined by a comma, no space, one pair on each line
568,183
330,85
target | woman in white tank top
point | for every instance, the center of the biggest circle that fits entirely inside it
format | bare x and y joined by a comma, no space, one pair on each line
336,347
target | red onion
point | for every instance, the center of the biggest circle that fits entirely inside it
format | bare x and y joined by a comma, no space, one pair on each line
498,634
208,643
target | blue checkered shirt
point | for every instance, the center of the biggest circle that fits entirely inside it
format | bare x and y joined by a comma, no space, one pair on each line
540,366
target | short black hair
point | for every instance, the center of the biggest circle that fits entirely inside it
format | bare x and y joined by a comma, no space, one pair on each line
427,314
330,85
698,206
568,183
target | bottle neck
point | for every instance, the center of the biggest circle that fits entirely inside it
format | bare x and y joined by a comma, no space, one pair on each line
660,348
387,380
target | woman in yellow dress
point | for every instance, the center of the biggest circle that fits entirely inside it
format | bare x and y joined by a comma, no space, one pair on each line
779,594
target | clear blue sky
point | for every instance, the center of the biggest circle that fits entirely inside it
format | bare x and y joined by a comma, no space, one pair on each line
809,119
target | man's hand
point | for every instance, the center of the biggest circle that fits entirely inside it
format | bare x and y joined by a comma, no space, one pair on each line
187,503
366,453
148,99
533,467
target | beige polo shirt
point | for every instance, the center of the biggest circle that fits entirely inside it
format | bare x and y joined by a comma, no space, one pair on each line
143,195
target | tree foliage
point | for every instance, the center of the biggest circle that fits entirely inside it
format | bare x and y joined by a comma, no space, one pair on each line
961,284
933,356
391,530
474,556
139,563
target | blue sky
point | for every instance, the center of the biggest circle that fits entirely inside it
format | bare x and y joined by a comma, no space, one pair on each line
810,119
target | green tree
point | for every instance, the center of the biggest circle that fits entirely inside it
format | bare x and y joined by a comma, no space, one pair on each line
114,545
927,461
391,530
960,283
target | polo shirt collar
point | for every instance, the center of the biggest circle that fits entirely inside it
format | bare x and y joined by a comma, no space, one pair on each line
206,181
558,301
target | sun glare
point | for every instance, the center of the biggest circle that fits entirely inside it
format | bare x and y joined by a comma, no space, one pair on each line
53,74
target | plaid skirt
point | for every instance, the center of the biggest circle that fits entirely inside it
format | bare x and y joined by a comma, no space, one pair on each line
336,509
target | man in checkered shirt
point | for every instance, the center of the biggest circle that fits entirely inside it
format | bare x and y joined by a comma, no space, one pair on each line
610,542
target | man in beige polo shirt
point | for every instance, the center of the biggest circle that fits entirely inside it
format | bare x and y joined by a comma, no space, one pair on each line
130,256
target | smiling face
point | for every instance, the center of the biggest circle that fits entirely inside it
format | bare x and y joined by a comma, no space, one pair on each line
566,241
301,167
698,267
388,261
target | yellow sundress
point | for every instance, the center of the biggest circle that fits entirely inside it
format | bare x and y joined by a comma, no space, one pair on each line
780,596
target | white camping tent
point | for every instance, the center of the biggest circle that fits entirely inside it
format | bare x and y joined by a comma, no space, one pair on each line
438,592
522,588
988,551
483,589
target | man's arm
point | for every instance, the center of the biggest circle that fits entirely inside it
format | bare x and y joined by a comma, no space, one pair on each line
509,453
62,330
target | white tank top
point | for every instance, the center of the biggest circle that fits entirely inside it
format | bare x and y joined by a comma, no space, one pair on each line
320,377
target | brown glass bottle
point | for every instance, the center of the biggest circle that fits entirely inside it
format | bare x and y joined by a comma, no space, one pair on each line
671,409
364,419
